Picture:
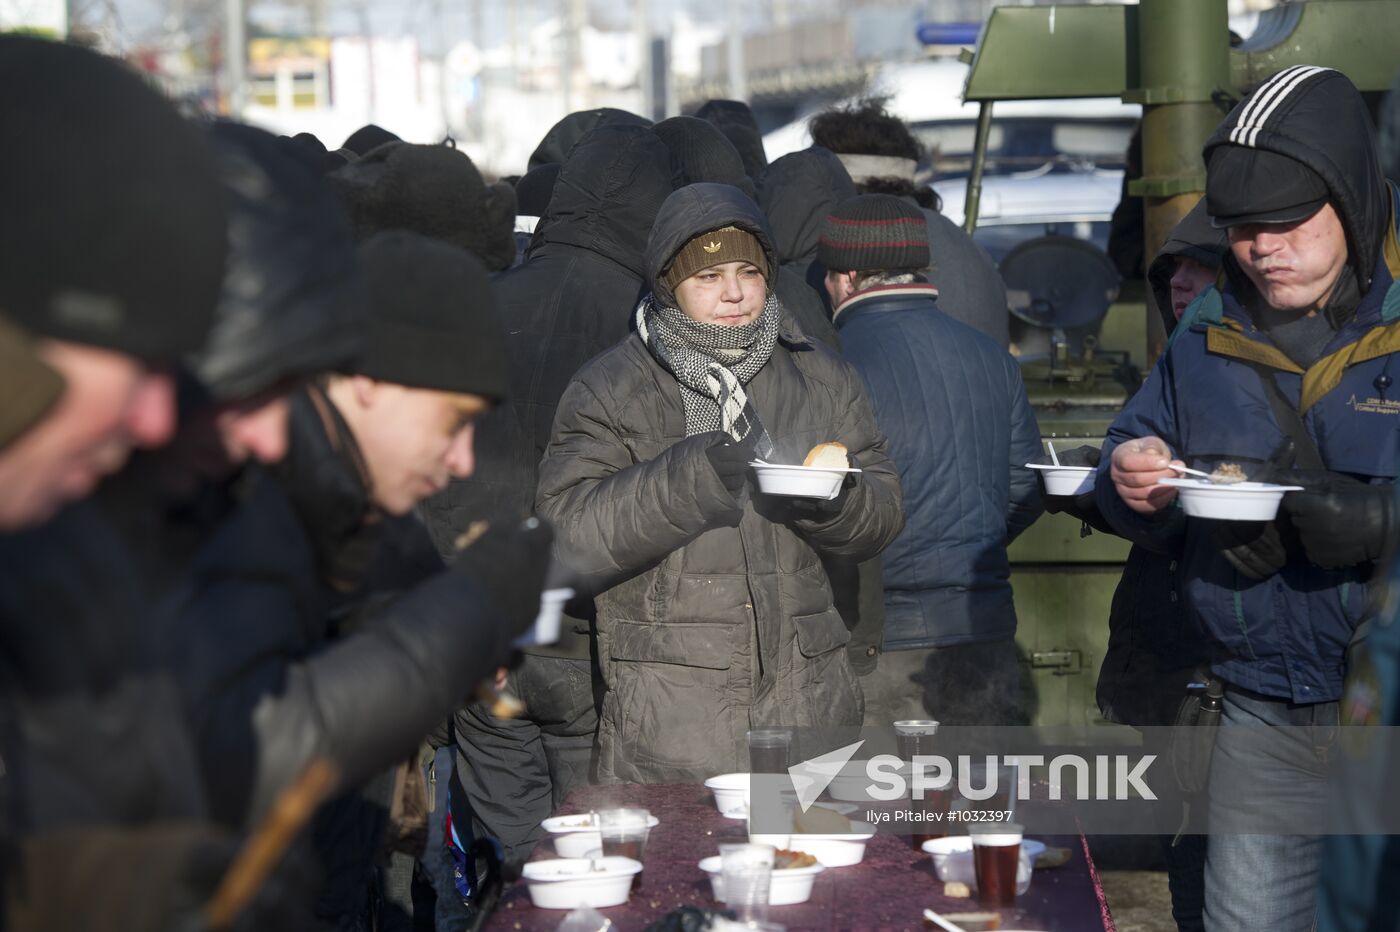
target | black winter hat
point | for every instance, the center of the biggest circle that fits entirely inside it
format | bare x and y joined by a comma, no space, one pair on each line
736,121
874,232
367,138
433,319
432,190
700,152
112,230
313,152
533,191
294,301
1258,186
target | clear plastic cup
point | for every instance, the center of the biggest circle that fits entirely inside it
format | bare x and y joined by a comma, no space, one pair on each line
769,750
747,870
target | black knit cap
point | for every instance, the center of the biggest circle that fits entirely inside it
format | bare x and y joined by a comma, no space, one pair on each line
368,138
433,319
700,152
433,190
112,231
1246,185
874,232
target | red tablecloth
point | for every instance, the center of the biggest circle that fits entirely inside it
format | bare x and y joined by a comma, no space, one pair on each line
890,889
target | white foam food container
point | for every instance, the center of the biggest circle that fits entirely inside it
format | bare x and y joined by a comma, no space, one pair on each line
800,481
570,883
575,836
841,850
1236,501
952,859
547,622
787,887
731,794
1065,480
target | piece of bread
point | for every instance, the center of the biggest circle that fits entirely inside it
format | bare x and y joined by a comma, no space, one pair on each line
956,891
820,821
829,456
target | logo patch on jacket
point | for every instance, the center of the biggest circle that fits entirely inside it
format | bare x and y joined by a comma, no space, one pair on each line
1373,405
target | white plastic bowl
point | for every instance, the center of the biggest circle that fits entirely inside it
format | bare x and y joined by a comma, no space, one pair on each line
787,887
547,622
830,850
1065,480
800,481
569,883
1239,501
574,837
731,794
952,859
854,783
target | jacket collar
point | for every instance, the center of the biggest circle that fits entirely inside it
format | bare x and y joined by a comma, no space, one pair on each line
1371,332
879,292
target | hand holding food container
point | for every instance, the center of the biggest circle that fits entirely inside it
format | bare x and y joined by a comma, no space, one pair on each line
1068,473
1136,467
821,475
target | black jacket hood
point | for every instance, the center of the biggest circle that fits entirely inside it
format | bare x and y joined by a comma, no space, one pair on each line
798,192
696,209
1317,116
608,193
294,300
564,135
1194,238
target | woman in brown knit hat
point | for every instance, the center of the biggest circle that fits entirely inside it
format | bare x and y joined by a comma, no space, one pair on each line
714,612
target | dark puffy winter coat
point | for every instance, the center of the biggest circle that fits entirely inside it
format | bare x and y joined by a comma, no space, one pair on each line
571,300
250,632
711,617
1155,644
1284,636
960,430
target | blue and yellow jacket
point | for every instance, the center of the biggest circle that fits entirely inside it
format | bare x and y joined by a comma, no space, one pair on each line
1284,636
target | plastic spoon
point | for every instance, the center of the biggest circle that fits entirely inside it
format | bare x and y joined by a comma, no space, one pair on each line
1053,458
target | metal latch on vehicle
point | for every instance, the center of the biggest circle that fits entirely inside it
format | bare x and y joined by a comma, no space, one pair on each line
1062,662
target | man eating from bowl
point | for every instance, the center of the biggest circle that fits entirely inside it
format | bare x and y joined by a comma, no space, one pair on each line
714,612
1286,371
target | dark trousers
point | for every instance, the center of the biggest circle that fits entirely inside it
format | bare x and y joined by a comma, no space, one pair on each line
515,772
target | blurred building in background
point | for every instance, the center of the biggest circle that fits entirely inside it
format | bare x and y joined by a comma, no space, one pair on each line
494,75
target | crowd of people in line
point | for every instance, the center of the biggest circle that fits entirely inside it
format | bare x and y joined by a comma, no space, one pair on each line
293,439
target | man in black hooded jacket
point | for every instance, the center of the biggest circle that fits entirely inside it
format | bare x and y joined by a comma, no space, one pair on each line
1298,346
569,301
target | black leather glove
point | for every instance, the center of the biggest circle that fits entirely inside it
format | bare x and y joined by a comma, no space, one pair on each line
1341,521
1255,548
730,461
510,564
1084,507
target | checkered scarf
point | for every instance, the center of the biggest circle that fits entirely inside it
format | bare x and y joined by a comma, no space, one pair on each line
713,363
